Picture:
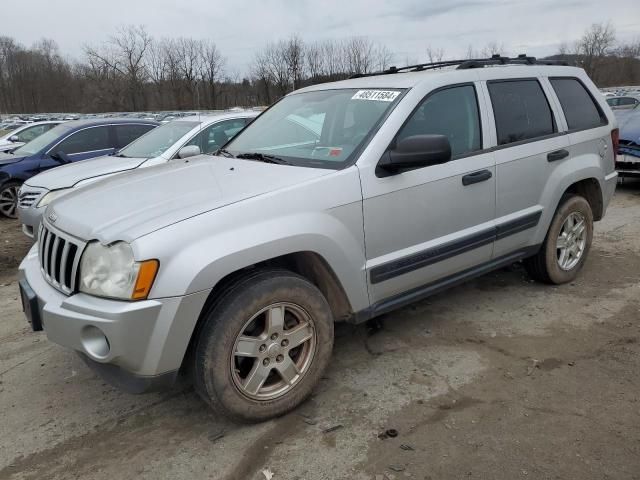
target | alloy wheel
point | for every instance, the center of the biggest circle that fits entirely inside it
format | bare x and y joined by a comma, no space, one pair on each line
273,351
571,241
9,201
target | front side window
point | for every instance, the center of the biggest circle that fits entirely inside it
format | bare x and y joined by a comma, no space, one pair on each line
521,110
125,134
38,144
31,133
579,107
87,140
158,140
319,128
215,136
452,112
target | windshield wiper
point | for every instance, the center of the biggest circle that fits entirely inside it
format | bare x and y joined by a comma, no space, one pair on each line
223,152
261,157
120,155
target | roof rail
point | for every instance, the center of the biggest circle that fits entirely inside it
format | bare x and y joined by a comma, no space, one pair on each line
496,59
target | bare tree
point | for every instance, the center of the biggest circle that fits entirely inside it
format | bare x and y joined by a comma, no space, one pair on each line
189,51
383,57
211,64
493,48
596,43
359,55
315,61
124,53
294,56
435,54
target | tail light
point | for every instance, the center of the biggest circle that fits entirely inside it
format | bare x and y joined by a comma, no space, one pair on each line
615,142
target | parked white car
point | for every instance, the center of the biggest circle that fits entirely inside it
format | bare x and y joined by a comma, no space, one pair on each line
21,135
182,138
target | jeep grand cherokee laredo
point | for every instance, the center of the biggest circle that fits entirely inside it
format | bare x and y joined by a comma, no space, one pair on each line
341,202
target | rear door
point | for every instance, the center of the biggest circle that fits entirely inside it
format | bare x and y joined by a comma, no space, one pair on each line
529,144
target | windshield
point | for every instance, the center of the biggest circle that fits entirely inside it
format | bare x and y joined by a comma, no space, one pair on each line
158,140
316,129
39,143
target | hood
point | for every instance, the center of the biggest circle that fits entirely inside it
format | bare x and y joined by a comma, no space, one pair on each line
67,176
125,207
7,158
7,147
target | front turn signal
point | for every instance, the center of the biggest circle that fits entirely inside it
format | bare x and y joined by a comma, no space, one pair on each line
146,276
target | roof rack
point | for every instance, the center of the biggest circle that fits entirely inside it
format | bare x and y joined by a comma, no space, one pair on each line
497,59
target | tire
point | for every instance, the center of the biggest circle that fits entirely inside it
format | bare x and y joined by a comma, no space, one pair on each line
9,199
549,265
250,387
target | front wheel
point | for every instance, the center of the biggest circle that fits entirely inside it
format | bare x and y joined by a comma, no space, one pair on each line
9,199
567,244
263,346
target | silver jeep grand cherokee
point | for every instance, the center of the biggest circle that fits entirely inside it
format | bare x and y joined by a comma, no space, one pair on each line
341,202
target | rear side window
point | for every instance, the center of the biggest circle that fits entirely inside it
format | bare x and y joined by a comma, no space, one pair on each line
125,134
87,140
452,112
521,110
579,107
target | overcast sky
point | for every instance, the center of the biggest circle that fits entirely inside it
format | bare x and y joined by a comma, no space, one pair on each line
407,27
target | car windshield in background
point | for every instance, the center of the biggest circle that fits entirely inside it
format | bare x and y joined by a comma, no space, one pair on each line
317,129
37,144
158,140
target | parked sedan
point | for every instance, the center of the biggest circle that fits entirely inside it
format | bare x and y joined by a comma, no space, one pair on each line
177,139
66,143
24,134
628,158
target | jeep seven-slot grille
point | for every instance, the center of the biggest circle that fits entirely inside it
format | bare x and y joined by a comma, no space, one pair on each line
59,259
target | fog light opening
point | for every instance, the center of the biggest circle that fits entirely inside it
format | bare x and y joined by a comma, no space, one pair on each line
95,342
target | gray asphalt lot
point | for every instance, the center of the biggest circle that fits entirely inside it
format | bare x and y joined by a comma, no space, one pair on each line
500,378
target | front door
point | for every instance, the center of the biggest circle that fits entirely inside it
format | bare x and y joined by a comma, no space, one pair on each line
428,224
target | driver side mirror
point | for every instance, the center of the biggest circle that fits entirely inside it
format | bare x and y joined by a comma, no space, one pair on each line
189,151
416,151
60,156
14,138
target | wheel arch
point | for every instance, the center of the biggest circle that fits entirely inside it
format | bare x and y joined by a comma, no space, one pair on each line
590,189
308,264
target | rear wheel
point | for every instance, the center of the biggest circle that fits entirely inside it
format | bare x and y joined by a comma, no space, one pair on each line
9,199
567,244
264,346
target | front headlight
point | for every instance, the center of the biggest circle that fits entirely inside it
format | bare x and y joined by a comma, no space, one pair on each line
111,271
51,196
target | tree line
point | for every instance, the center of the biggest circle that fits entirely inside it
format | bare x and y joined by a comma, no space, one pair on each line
132,71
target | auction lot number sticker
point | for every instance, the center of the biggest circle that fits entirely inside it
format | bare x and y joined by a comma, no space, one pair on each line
376,95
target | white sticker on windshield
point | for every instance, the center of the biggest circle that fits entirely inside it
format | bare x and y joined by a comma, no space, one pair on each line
376,95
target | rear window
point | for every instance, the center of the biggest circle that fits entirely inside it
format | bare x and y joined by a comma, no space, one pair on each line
579,107
521,110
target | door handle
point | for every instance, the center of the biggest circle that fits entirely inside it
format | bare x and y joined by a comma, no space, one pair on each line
557,155
476,177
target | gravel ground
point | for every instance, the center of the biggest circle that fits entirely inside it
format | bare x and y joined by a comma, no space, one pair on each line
500,378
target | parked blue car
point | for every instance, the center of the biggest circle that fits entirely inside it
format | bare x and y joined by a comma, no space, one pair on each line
628,159
68,142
